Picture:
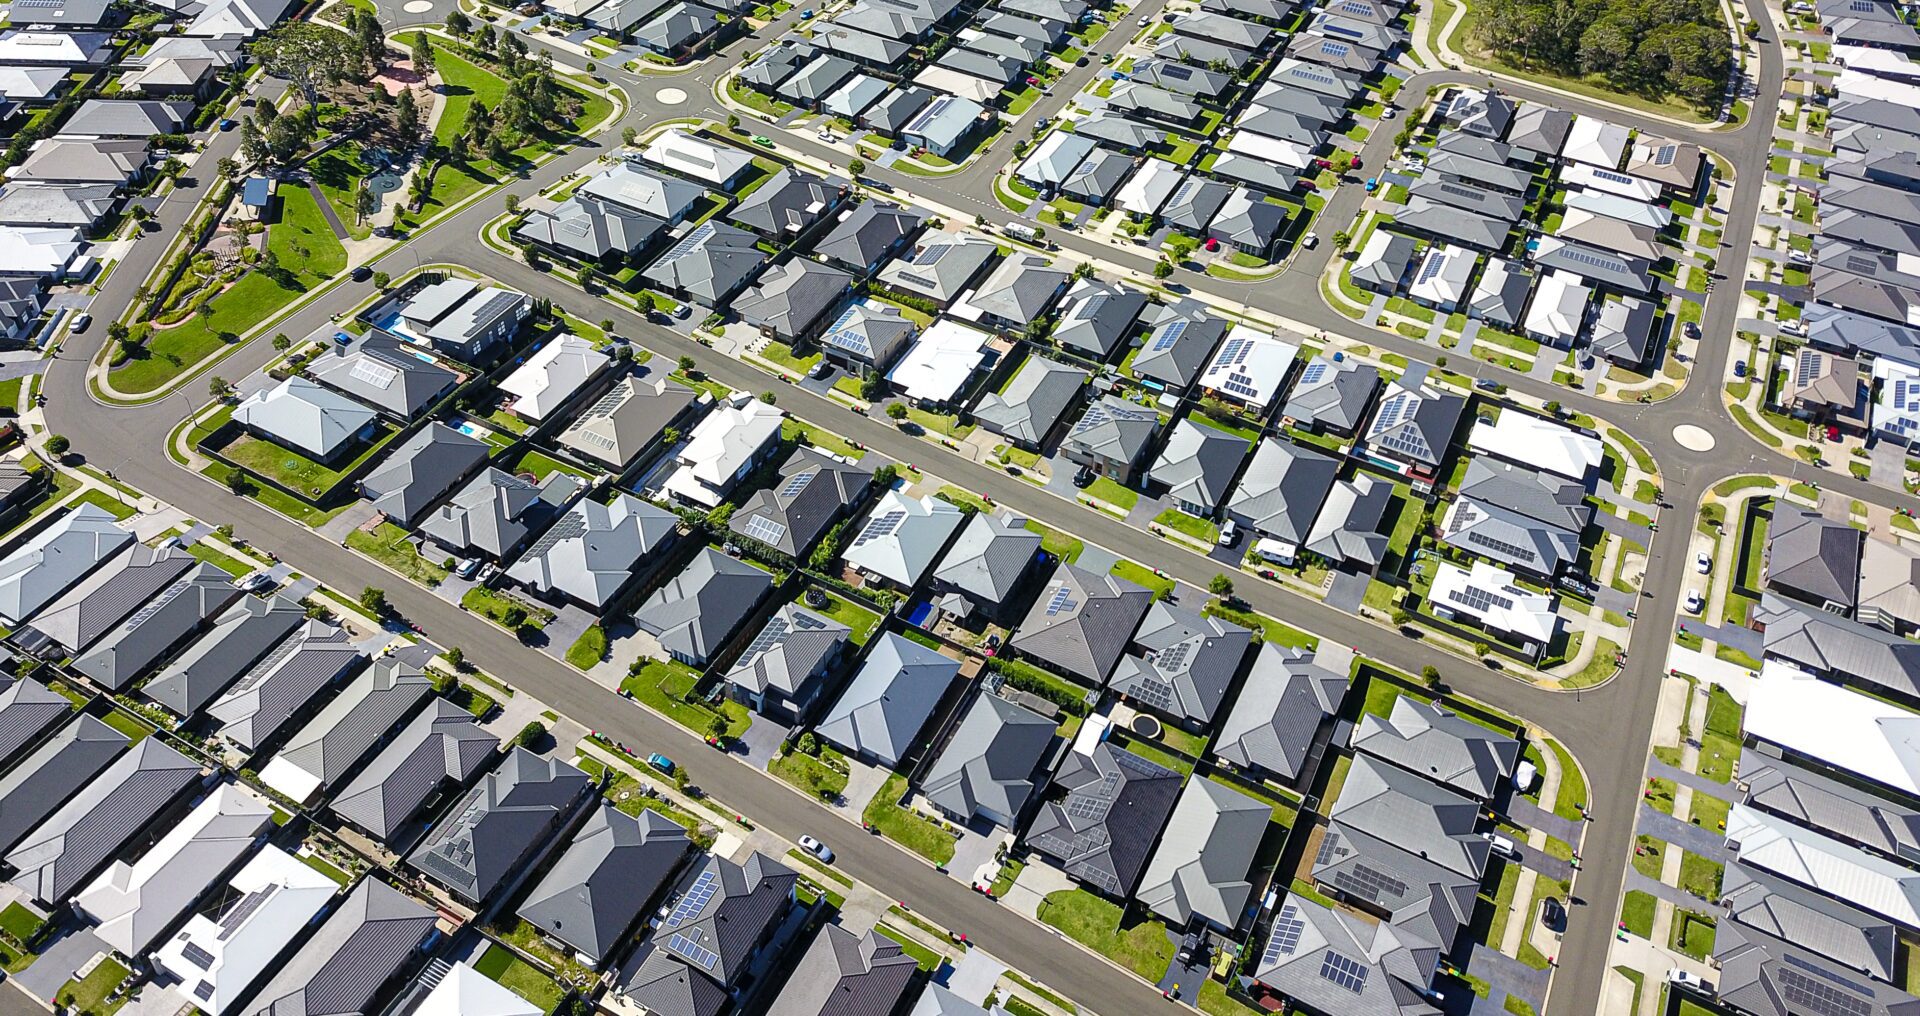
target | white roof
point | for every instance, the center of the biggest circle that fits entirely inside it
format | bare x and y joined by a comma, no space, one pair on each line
1559,305
903,535
940,361
1842,728
1490,595
702,160
953,82
38,250
1595,142
1896,400
1274,150
1862,79
552,374
42,47
1249,366
1619,207
305,415
1610,181
1528,440
1443,274
217,831
1820,862
465,991
1149,187
721,444
1054,159
277,895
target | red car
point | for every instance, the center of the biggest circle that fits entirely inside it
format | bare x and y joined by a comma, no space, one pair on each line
1212,244
1833,432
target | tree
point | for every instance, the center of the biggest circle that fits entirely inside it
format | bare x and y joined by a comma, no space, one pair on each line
857,166
531,734
897,410
236,481
1430,674
374,599
643,303
606,325
1401,617
514,616
381,280
309,55
371,37
218,387
873,387
686,365
767,397
630,136
228,167
1553,407
458,25
1162,268
58,444
406,117
884,477
1220,585
717,727
733,121
287,137
421,54
456,658
253,144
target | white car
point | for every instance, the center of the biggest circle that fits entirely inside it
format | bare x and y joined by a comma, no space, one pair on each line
1695,601
816,848
1502,846
1229,533
1688,979
81,321
1310,240
1703,562
1389,113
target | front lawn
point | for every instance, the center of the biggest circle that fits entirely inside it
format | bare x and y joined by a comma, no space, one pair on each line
1141,575
910,829
1094,922
1190,525
810,774
668,687
824,440
589,649
89,994
1106,489
496,606
390,545
1060,545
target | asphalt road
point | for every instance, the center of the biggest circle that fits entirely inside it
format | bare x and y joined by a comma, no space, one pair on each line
1606,728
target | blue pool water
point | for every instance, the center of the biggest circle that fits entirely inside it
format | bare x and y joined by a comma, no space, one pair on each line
921,612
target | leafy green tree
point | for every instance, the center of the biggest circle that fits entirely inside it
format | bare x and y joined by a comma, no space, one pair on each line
308,55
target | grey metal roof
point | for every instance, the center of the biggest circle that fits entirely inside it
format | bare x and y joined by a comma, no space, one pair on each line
491,513
812,490
860,45
133,903
697,611
881,712
788,652
989,558
1776,906
1594,264
595,549
488,834
1194,203
57,557
864,234
350,725
989,767
1033,401
898,107
1200,868
941,268
343,968
67,848
1179,347
664,984
238,637
1440,745
1283,490
1533,493
845,974
1508,538
1287,696
27,709
791,296
777,63
721,912
1113,428
1842,810
1110,810
787,203
709,263
1623,330
127,118
625,420
384,373
1811,556
1119,131
1769,976
1020,290
1187,662
615,865
421,469
1833,646
1383,262
903,536
678,25
1248,219
1420,897
442,744
1097,176
590,227
282,683
1098,317
1198,463
939,1001
1082,622
1539,129
53,772
1444,222
1345,962
1493,204
1416,424
106,596
1419,815
1350,524
171,616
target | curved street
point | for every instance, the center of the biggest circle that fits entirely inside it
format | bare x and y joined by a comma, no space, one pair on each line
1607,728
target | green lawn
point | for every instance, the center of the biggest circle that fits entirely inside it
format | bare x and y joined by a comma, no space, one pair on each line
302,238
1060,545
109,503
862,620
666,687
589,649
1573,786
1143,948
90,993
1190,525
388,545
913,831
466,83
542,466
292,469
18,921
493,605
1693,934
520,977
1637,913
1720,743
825,440
1270,630
1113,493
809,774
1142,576
1700,876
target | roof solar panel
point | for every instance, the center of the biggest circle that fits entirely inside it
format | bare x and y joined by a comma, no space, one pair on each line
695,900
1286,933
1344,971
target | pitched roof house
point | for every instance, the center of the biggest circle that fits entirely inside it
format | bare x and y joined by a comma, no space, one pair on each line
614,867
903,537
1440,745
696,613
1082,622
880,715
596,550
368,942
303,416
1199,871
346,728
1185,664
1101,826
485,841
782,672
1284,709
844,974
991,767
439,746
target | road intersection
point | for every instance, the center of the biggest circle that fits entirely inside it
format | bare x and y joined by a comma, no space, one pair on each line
1606,727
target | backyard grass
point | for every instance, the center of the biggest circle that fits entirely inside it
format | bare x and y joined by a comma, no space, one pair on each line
1094,922
293,470
666,687
1693,934
517,975
589,649
862,620
1142,576
913,831
542,466
389,545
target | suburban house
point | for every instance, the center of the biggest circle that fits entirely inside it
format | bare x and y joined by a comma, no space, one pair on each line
903,537
985,566
459,317
1081,623
1814,559
496,513
696,613
843,973
866,337
238,638
1440,745
1197,465
595,551
1184,664
299,414
726,445
41,782
1198,873
55,558
610,873
627,418
82,835
346,728
879,717
942,268
1283,718
814,490
792,300
284,684
437,751
421,470
937,368
1283,492
1106,814
713,935
709,266
381,372
216,956
1036,398
370,942
783,672
1112,437
993,765
174,615
503,823
551,377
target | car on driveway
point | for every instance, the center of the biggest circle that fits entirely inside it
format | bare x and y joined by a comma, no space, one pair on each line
1696,601
816,848
1703,562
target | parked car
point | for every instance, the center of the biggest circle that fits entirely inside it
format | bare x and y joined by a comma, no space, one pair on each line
81,321
1703,562
1696,601
821,369
1689,980
362,273
661,762
763,141
1310,240
228,123
1739,368
1389,113
1084,477
1212,244
1229,533
816,848
1502,846
1833,432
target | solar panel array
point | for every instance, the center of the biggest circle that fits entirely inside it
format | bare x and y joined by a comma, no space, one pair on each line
880,526
367,371
1316,372
1436,263
1513,551
691,242
797,483
1332,48
1818,998
765,530
1666,155
1285,937
697,954
1370,883
1344,971
1062,600
1349,32
1482,600
1170,335
696,899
